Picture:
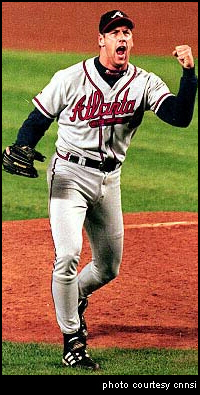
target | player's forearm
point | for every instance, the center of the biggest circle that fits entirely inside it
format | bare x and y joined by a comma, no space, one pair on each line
178,110
33,129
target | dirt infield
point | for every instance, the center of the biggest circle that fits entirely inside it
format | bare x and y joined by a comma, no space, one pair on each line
152,303
73,27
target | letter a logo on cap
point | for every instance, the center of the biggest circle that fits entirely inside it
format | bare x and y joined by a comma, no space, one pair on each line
118,13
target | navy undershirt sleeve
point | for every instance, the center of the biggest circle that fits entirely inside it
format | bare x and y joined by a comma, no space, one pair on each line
33,129
178,110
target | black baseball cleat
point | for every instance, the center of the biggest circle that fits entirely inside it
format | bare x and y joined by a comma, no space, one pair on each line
83,303
76,356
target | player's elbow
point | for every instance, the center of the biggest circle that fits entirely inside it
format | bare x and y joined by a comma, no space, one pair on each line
179,122
185,122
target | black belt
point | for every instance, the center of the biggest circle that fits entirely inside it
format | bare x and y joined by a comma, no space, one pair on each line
107,165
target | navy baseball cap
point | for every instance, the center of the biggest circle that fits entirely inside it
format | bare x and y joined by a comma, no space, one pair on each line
112,19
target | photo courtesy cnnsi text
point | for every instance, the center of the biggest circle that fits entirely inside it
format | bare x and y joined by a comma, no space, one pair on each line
149,385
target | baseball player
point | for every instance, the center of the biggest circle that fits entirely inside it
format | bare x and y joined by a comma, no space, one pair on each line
98,104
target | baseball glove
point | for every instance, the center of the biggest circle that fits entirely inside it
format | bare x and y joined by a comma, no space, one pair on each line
20,160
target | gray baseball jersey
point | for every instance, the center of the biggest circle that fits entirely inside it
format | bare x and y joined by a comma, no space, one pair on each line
95,120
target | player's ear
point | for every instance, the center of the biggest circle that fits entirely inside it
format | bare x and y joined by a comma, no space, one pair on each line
101,40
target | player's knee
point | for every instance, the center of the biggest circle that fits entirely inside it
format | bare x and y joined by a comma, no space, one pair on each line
111,273
65,267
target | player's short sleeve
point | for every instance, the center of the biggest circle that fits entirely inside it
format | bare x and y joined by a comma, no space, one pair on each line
52,99
156,92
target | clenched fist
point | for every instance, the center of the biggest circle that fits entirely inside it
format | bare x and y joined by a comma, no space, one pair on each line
184,56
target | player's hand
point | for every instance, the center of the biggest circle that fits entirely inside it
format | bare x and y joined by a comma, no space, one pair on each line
184,56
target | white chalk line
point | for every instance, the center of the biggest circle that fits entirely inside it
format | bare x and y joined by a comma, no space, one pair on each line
160,224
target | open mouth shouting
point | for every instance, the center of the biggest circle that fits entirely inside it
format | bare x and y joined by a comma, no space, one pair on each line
121,51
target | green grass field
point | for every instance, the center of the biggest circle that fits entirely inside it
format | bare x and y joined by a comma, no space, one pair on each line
41,359
159,174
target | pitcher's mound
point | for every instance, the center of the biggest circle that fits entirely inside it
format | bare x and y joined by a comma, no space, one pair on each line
152,303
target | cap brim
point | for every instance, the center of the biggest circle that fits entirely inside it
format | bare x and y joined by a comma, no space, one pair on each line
118,22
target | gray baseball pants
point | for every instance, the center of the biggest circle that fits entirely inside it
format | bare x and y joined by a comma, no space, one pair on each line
82,197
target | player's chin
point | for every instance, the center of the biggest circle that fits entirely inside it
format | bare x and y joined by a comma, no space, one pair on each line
120,59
